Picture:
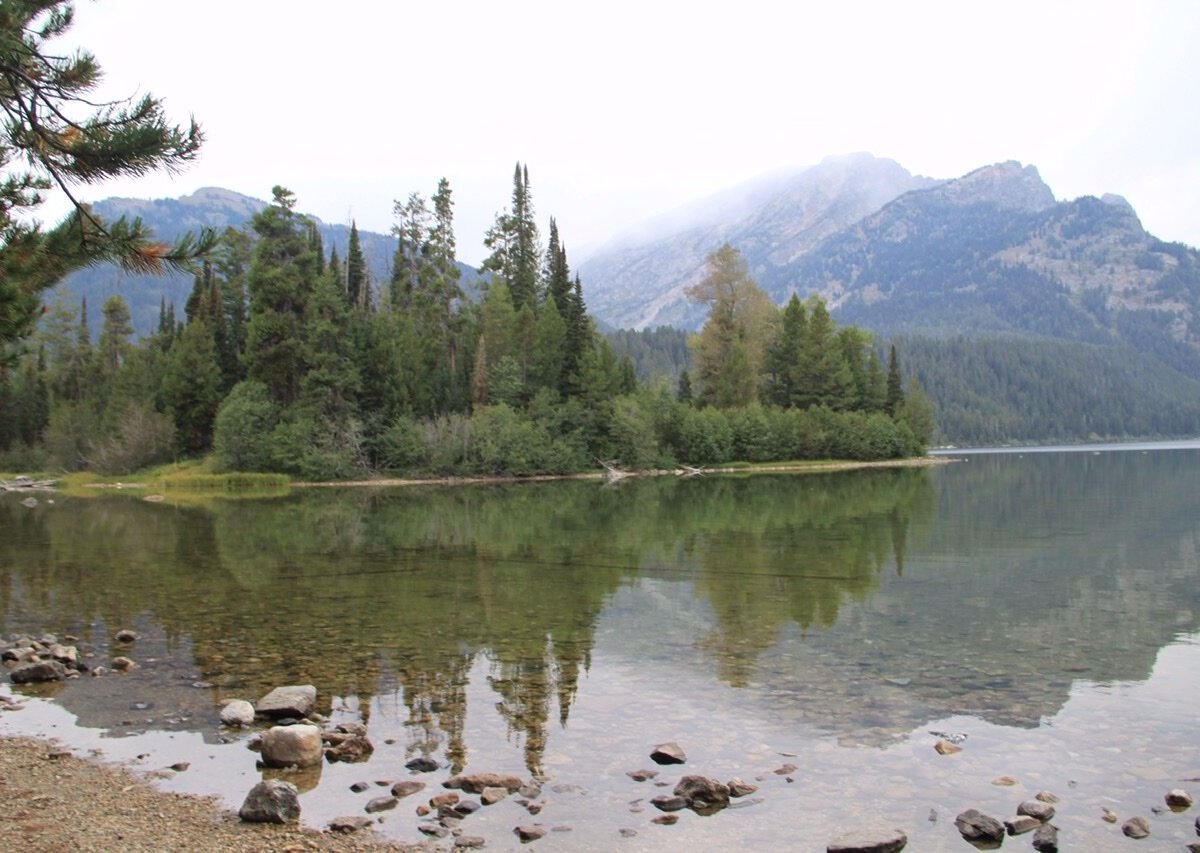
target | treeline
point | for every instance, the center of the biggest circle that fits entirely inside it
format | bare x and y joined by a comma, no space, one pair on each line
290,359
993,390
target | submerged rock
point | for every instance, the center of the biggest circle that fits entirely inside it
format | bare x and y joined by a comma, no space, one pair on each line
973,825
1036,809
1021,824
491,796
38,671
349,824
1136,827
422,764
1179,799
668,803
380,804
407,788
738,788
529,833
701,792
351,748
641,775
296,700
945,747
668,753
1045,840
271,801
869,841
476,782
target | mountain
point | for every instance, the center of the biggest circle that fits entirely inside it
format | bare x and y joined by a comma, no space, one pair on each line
637,280
210,207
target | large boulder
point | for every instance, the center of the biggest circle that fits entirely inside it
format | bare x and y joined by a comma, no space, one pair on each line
285,746
296,700
271,801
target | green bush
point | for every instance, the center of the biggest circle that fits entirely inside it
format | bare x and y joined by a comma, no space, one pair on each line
243,431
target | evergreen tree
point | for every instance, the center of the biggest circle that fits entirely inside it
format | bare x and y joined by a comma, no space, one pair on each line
784,356
191,387
895,386
358,288
513,239
56,137
412,224
281,279
557,273
115,335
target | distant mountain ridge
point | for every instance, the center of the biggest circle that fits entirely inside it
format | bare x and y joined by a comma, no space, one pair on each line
639,282
208,207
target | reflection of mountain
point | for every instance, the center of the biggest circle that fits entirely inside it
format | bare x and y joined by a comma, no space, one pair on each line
865,603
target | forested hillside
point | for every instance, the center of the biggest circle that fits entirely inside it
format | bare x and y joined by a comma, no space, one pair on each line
288,357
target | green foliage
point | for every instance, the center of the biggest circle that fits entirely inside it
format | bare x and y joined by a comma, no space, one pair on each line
58,137
244,425
191,388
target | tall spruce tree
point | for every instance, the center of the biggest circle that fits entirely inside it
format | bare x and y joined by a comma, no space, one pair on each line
358,288
895,385
513,239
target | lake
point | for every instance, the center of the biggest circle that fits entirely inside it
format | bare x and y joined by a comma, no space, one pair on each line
1044,604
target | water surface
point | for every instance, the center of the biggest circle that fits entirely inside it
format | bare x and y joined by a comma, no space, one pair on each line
1044,604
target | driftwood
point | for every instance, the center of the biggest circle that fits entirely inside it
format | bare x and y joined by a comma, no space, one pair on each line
689,471
612,472
25,484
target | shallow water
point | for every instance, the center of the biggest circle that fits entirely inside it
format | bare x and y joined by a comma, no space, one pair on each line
1045,605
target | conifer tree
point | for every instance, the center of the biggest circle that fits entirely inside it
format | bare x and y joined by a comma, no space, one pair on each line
513,239
895,386
358,288
281,279
57,137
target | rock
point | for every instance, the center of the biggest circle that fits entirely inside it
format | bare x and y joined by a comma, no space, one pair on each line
475,782
180,766
869,841
945,747
665,803
1108,815
1036,809
1198,826
665,819
350,824
641,775
668,753
1021,824
123,664
271,801
285,746
433,829
531,790
447,799
354,748
466,807
422,764
67,655
1136,827
702,792
1194,847
297,700
38,671
237,712
1045,840
738,788
380,804
626,832
1179,799
491,796
468,842
973,825
407,787
786,769
359,787
529,833
1047,797
1006,781
125,636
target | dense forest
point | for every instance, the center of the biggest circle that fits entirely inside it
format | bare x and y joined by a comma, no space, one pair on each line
290,359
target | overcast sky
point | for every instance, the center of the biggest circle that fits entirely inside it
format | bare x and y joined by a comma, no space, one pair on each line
623,110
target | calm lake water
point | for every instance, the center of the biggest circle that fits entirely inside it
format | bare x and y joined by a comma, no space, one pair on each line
1044,604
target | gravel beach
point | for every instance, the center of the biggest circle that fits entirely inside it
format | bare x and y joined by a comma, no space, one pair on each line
52,800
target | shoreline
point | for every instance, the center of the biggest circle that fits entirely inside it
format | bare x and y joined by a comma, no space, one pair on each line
54,799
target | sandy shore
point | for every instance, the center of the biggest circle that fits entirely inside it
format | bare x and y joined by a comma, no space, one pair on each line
51,800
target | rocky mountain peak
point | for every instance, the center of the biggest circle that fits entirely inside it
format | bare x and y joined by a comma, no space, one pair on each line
1007,184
